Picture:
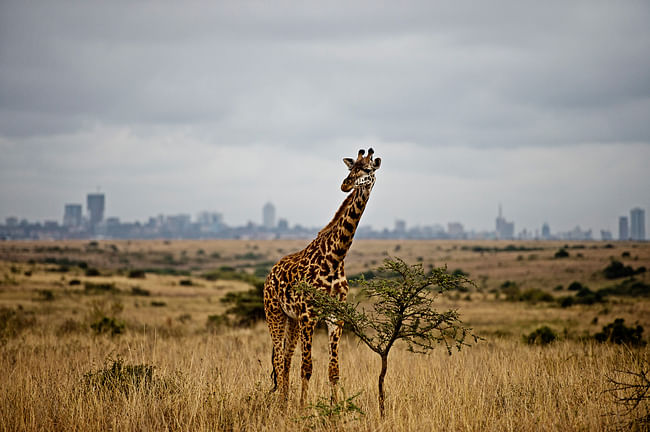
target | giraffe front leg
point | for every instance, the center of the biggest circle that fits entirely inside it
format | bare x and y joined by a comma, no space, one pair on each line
335,330
306,336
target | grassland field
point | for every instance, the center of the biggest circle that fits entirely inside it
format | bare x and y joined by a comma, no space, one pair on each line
121,335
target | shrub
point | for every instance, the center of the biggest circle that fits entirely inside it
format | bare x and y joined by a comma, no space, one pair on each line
629,287
617,269
137,291
14,321
46,295
511,290
92,272
108,325
74,282
120,377
185,282
247,306
617,332
542,336
158,303
575,286
137,274
535,295
561,253
214,322
98,288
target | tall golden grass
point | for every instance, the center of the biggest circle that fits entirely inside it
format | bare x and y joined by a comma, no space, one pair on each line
219,380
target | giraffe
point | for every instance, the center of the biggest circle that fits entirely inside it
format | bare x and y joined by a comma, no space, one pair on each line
320,264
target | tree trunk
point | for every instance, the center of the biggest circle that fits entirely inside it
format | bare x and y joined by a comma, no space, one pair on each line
382,375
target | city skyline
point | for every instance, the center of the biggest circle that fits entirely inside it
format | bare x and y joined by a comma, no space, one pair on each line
542,107
76,224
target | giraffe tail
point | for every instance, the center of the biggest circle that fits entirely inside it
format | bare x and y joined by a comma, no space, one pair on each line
274,374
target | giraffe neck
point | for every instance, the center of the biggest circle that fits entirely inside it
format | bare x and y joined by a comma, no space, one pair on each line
336,237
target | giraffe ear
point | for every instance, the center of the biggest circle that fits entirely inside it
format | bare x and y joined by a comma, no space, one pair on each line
377,163
349,162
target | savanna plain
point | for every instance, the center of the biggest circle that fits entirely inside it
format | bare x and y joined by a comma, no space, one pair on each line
169,335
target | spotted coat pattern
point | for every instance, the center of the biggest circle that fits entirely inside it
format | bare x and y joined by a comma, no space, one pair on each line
320,264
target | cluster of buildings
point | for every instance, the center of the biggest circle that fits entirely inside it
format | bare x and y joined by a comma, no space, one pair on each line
207,224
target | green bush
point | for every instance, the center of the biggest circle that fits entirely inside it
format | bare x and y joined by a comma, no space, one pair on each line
98,288
536,295
137,291
137,274
575,286
108,325
630,287
561,253
542,336
14,321
215,322
74,282
247,306
617,269
92,272
185,282
617,332
511,290
120,377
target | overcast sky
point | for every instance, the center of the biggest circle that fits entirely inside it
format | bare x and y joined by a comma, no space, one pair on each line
178,107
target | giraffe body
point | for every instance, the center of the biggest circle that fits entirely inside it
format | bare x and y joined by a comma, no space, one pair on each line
321,264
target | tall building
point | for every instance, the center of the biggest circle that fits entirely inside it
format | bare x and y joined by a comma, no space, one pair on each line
268,216
455,230
546,231
400,227
505,229
95,204
623,232
637,224
72,215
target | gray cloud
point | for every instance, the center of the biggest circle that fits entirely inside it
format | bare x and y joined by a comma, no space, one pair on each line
168,89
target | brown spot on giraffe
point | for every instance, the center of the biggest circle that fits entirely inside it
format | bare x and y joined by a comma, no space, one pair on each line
320,264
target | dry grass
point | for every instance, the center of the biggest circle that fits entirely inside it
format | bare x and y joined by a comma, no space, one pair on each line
219,381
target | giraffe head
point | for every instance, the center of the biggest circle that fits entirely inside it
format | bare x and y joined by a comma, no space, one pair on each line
362,171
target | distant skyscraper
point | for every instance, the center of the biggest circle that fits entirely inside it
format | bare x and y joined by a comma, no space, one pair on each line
623,232
400,227
455,230
637,224
546,231
72,215
268,216
95,203
505,229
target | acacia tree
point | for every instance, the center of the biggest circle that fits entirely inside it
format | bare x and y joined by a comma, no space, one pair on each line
400,308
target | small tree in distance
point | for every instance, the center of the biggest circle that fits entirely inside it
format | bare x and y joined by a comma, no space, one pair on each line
401,301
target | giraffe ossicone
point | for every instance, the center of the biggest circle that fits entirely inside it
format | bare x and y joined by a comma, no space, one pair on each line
320,264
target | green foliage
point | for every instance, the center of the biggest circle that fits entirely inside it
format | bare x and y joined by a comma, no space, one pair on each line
536,295
215,322
14,321
99,288
401,309
327,413
108,325
575,286
617,269
561,253
542,336
74,282
120,377
629,287
247,307
511,290
617,332
46,295
584,296
92,272
156,303
185,282
137,291
229,273
137,274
